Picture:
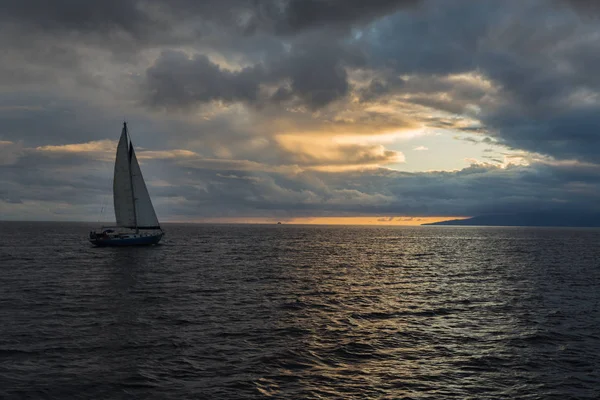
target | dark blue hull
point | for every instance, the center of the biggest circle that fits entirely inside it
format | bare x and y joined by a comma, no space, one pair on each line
137,241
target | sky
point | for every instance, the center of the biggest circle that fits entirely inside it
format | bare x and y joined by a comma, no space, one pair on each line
303,111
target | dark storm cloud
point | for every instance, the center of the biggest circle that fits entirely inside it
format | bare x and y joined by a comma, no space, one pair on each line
313,73
316,72
142,17
438,38
304,14
549,82
73,15
564,135
282,17
586,8
179,81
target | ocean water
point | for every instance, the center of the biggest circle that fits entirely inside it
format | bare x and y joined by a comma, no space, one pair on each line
301,312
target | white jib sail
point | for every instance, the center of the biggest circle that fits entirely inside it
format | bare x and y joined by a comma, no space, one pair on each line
146,216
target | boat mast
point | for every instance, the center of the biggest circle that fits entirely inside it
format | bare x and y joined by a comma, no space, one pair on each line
129,156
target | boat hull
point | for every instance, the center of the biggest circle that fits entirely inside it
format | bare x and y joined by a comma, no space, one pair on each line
131,241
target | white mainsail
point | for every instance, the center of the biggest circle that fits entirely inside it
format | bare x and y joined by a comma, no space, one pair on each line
133,207
122,187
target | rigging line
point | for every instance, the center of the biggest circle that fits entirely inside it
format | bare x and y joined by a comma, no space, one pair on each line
103,204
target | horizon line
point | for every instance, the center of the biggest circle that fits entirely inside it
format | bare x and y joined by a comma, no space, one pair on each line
358,220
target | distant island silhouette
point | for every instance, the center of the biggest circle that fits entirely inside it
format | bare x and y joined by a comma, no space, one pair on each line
558,219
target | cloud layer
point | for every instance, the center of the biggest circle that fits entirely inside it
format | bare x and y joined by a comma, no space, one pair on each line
302,108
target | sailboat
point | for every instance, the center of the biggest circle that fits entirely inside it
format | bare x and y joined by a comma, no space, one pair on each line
137,223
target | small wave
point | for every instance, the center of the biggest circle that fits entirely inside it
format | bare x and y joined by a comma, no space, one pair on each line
17,352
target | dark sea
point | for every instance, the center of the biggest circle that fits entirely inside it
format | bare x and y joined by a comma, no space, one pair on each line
301,312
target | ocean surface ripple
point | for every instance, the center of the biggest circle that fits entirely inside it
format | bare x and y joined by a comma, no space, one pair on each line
301,312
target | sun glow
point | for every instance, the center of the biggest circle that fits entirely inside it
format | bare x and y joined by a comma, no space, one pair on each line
385,137
375,220
371,220
94,146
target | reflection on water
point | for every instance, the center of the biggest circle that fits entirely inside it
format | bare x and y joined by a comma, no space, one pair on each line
303,312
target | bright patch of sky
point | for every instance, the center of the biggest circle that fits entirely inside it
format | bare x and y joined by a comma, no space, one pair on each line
446,151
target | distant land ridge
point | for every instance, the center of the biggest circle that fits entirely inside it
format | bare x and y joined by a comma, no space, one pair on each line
558,219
